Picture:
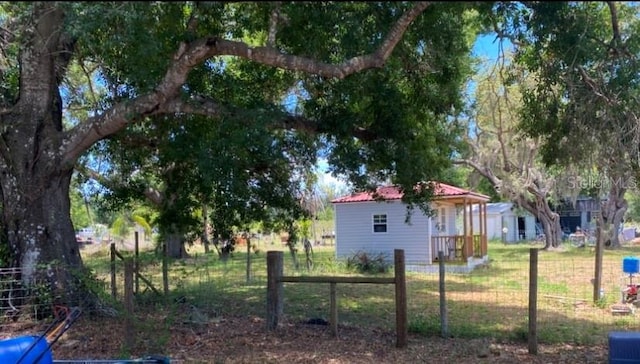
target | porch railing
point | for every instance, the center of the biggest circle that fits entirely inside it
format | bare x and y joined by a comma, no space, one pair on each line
459,248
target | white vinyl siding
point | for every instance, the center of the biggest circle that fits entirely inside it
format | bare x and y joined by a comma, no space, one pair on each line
354,233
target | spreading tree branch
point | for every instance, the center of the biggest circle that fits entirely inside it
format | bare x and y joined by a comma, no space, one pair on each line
153,195
190,55
615,27
200,105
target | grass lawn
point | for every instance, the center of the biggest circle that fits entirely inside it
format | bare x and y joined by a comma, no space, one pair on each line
491,302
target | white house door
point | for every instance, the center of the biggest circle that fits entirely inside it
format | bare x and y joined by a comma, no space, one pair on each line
439,222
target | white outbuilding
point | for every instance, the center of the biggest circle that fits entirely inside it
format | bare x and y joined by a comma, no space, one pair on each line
510,224
378,226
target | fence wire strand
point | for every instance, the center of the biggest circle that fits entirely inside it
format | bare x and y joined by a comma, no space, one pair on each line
491,301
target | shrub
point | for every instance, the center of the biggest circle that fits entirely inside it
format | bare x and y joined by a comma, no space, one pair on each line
425,325
364,262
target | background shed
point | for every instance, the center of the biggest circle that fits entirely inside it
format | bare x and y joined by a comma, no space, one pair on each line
520,224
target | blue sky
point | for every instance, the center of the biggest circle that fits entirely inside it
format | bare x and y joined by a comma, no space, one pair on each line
488,46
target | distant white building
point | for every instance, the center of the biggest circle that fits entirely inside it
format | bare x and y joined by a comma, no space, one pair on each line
519,224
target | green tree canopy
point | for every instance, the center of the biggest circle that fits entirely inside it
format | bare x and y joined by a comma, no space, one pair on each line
130,86
378,126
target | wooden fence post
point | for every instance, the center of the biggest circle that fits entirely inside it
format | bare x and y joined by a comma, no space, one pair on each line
275,288
129,332
333,320
248,278
401,299
275,292
444,319
165,269
136,264
114,290
533,301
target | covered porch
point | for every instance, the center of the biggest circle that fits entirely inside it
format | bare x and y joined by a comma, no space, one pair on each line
471,245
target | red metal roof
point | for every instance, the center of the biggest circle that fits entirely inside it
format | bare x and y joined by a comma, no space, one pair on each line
443,191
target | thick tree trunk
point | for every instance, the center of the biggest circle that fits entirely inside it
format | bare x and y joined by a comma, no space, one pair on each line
612,212
549,219
552,228
175,245
36,215
34,176
38,226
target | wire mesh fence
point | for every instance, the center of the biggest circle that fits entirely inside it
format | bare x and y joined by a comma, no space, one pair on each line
494,299
18,300
490,301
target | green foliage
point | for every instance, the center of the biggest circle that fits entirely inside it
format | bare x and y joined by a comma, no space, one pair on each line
173,109
484,186
425,326
83,203
134,40
587,79
305,228
5,251
633,211
42,299
326,214
128,219
80,210
401,109
365,262
91,284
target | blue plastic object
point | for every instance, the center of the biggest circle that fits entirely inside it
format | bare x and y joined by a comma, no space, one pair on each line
624,347
631,265
25,350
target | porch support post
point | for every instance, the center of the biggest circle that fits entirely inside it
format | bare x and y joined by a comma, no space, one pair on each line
483,236
464,229
481,217
470,217
465,237
485,220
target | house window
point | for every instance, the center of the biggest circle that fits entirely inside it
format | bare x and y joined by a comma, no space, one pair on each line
380,223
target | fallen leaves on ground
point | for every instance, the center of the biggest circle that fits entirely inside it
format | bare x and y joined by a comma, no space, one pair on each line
246,340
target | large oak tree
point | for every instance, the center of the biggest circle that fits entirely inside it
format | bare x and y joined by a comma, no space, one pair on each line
378,81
